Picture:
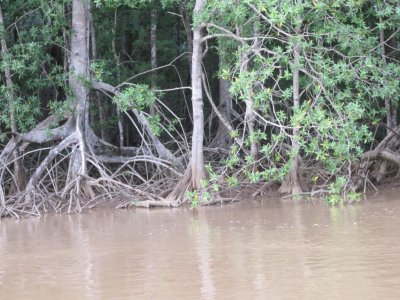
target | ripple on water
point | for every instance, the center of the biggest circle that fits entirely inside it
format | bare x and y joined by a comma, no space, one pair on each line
249,250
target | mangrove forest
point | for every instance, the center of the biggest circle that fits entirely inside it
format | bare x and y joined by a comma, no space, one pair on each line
163,103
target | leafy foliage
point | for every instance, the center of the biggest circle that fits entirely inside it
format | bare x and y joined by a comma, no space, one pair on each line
138,97
258,46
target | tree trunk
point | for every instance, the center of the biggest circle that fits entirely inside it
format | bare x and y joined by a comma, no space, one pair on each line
222,138
19,179
116,58
249,115
189,40
197,160
291,183
66,53
189,35
153,46
79,72
390,121
391,114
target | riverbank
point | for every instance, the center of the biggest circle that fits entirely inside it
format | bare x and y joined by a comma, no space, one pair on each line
260,191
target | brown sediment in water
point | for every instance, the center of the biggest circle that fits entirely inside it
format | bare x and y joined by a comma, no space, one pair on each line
262,249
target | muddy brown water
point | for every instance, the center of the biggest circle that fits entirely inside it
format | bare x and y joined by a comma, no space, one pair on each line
269,249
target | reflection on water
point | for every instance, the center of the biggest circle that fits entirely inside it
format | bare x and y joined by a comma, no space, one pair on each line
271,249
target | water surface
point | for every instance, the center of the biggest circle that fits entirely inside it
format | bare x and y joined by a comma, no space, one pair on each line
269,249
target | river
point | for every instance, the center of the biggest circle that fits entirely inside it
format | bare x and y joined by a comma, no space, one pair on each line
255,249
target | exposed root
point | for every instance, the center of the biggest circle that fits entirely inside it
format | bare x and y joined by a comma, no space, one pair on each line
149,203
385,152
51,190
291,183
381,154
177,196
260,191
220,201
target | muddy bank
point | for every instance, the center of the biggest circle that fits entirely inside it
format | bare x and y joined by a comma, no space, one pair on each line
249,192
